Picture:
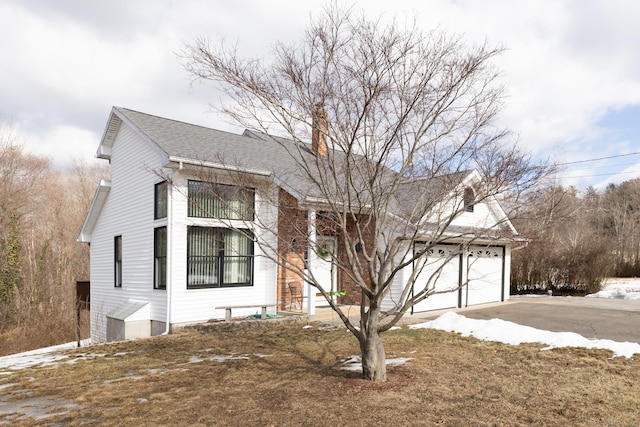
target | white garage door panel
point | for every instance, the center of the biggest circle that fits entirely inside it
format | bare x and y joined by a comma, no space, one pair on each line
485,275
448,278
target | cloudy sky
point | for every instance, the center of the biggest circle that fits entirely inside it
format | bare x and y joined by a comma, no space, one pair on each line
572,68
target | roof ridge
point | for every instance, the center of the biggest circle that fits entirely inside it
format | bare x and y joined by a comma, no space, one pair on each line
450,174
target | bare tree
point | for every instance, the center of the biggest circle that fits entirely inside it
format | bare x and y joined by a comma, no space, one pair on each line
21,176
567,251
621,217
41,211
397,116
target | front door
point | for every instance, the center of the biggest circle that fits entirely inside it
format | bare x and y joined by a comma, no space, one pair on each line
325,270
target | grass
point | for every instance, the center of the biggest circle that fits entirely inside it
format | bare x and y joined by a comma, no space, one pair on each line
287,376
31,335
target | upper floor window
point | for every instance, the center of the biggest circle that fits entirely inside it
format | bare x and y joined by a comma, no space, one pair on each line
160,200
209,200
117,258
469,199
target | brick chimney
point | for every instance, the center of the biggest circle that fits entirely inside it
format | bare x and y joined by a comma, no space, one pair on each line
320,129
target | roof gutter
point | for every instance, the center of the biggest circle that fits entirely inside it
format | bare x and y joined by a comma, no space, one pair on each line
179,162
97,203
524,245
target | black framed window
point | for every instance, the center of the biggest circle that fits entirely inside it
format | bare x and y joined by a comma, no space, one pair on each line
160,200
210,200
160,258
219,257
117,256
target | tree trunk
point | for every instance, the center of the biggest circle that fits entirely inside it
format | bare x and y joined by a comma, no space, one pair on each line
374,367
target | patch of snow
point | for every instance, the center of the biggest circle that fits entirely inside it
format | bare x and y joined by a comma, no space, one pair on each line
354,363
221,359
619,288
39,408
307,327
511,333
195,359
398,361
47,355
218,358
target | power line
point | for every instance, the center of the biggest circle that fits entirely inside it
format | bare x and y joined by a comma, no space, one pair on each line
598,158
617,172
598,174
602,167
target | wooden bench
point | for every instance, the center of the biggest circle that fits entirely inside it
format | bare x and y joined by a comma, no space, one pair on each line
228,308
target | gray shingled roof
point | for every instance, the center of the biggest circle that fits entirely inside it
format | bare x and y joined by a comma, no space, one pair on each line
415,197
260,153
201,144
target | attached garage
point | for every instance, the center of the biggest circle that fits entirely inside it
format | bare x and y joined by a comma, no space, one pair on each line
467,260
476,276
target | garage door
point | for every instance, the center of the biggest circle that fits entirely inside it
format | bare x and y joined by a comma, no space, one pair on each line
443,263
484,266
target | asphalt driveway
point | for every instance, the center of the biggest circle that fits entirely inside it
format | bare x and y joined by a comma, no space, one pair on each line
593,318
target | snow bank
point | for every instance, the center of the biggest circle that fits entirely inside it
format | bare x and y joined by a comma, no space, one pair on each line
511,333
628,289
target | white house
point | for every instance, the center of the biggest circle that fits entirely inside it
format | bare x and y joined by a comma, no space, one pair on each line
165,253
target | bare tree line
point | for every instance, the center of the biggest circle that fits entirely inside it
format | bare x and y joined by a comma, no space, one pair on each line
41,211
578,240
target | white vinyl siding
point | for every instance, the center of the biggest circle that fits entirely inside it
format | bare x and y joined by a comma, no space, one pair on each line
481,216
127,212
198,305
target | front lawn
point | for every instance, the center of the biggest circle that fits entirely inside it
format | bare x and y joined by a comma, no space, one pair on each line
289,375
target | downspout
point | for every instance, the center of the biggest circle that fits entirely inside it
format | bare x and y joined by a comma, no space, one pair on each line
169,288
460,278
504,272
466,272
311,259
